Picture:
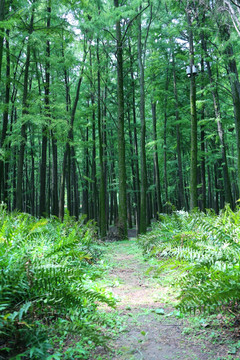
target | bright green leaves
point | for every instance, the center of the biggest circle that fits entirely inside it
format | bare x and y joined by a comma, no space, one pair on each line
48,276
203,251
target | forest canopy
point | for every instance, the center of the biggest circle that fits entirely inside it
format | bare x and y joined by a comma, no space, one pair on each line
100,118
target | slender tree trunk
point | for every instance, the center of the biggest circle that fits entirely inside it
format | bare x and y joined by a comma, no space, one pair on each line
4,174
33,210
49,174
67,152
235,87
102,190
94,195
179,149
43,169
2,15
75,195
165,141
105,160
62,188
143,194
227,184
216,207
85,194
19,189
155,159
134,181
122,212
135,138
55,201
193,168
202,131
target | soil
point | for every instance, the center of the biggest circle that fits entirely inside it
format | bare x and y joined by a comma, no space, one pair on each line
154,330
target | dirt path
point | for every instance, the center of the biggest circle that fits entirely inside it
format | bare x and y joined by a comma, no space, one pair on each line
153,329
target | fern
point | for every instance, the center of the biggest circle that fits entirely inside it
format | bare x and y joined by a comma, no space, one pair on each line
46,273
206,249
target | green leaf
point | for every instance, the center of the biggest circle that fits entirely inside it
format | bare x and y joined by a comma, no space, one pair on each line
160,311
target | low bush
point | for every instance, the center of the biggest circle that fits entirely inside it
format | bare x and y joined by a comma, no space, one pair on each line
47,287
204,250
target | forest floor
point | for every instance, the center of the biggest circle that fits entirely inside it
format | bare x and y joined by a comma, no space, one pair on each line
148,327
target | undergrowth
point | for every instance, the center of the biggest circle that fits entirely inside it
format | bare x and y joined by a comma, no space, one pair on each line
48,290
204,252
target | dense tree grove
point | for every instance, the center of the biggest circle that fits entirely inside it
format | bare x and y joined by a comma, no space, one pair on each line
100,118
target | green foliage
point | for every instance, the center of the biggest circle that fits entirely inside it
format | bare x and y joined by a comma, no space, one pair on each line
203,250
47,284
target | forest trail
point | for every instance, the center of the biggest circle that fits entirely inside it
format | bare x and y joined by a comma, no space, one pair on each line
151,329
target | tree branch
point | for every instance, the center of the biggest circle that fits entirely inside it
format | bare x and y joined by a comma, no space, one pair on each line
235,3
110,34
134,18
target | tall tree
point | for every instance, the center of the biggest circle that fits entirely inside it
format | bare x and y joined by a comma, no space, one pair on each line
102,190
2,13
179,147
227,184
4,166
122,212
193,169
143,196
155,159
19,188
42,200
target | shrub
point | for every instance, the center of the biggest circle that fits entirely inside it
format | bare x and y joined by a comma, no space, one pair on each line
47,284
204,249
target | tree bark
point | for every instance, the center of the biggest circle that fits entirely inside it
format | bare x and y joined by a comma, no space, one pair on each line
102,192
227,184
4,165
235,88
19,189
136,163
122,212
193,168
85,192
55,201
179,148
67,153
165,141
155,159
43,169
202,132
143,193
2,15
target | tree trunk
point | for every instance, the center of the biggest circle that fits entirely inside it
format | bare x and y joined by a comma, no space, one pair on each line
122,212
94,196
102,192
3,165
155,160
165,142
227,184
55,203
43,169
216,207
67,153
235,87
136,164
193,168
143,193
85,191
2,15
19,189
179,149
